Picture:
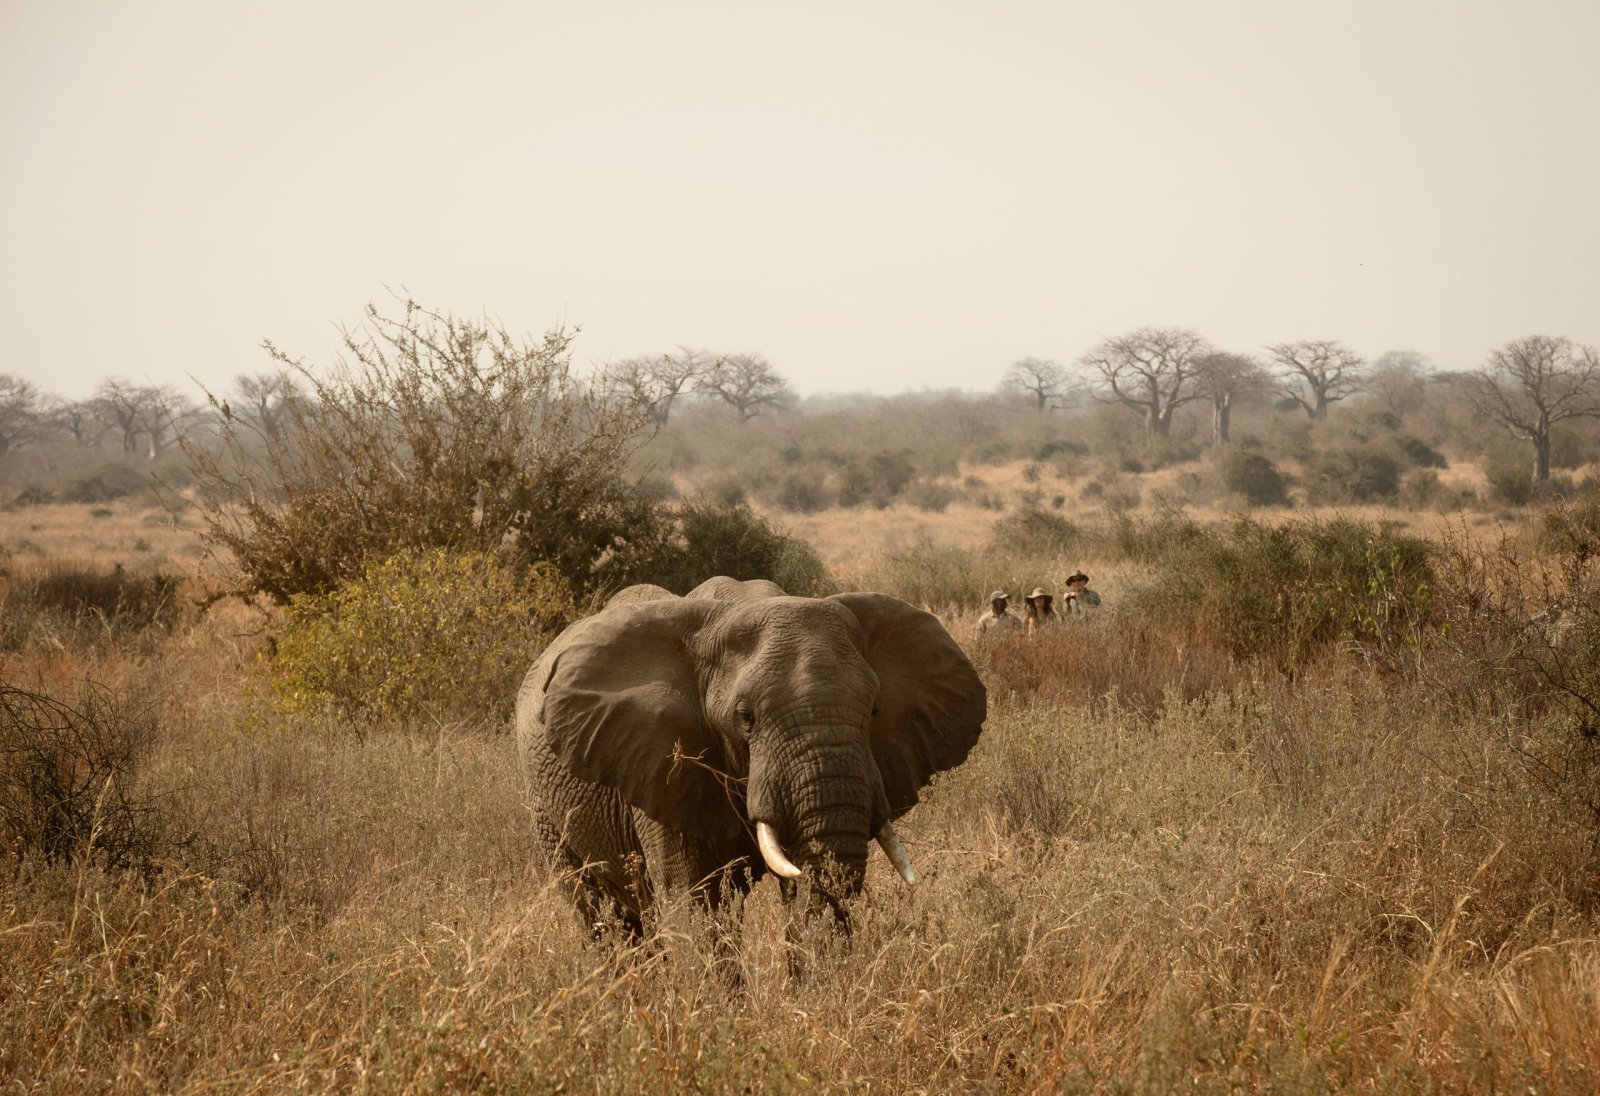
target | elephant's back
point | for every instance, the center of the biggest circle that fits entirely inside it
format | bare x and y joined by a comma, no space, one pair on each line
723,588
644,591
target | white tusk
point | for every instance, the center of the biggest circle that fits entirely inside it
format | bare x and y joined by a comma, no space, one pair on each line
772,852
896,853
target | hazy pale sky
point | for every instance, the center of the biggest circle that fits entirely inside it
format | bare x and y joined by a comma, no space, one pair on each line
882,196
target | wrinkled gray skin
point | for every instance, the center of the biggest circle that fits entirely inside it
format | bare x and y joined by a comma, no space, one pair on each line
829,714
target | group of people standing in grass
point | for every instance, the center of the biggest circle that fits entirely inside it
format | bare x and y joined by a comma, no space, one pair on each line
1038,610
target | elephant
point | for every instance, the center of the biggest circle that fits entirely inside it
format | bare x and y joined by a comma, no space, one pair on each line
696,743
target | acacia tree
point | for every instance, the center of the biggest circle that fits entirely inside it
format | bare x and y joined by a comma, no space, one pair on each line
1041,379
1316,373
1222,377
1530,384
747,383
658,381
1152,371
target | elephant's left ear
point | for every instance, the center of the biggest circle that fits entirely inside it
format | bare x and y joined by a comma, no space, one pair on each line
931,703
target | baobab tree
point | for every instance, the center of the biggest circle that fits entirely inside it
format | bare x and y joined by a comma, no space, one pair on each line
1398,379
1040,379
122,406
657,382
747,383
260,400
1316,373
154,412
22,412
1153,371
1530,384
1222,377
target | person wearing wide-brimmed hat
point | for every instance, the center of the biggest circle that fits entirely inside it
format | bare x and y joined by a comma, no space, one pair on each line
1078,598
999,620
1041,609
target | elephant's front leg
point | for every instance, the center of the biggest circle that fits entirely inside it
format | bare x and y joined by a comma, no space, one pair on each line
587,836
714,875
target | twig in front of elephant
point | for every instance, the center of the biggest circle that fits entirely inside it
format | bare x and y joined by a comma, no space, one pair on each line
732,786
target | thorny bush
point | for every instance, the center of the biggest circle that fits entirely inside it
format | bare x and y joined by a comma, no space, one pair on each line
70,779
431,431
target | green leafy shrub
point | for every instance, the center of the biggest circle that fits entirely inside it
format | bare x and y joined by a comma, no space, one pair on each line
1254,478
802,493
31,495
1422,490
933,575
877,480
1421,454
1068,448
1284,593
1165,535
1518,633
726,490
934,498
1510,478
1359,473
707,540
417,637
109,481
1037,532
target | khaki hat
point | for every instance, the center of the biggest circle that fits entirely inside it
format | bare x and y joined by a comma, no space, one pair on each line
1076,576
999,595
1040,591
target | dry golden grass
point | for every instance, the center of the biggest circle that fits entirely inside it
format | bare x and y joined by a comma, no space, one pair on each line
1336,884
134,535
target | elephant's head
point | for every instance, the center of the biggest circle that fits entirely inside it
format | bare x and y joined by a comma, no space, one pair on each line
829,714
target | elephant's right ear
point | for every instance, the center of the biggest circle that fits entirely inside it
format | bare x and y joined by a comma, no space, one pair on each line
622,698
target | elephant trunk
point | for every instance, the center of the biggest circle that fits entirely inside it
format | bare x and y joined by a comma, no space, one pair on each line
818,802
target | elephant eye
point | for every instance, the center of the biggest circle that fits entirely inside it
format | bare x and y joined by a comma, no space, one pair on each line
746,716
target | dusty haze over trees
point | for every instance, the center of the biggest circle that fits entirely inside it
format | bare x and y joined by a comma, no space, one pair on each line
1149,386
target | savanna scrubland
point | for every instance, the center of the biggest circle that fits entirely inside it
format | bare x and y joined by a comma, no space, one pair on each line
1312,803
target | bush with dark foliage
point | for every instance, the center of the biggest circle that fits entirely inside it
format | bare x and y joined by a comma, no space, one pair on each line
1254,478
708,539
86,601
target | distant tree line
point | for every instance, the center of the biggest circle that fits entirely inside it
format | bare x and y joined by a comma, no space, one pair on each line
1528,386
136,420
